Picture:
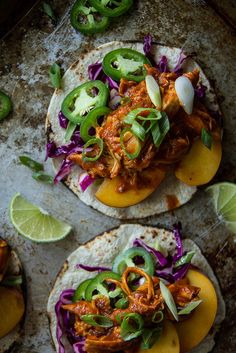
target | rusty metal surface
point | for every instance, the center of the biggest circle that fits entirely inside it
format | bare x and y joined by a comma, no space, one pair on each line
25,57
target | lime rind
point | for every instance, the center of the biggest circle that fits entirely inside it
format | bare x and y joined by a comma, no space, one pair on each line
34,223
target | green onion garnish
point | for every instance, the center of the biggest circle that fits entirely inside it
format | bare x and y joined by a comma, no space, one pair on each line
12,281
169,300
160,129
138,130
157,317
55,75
93,141
49,11
131,326
134,114
135,141
69,131
185,259
122,303
150,336
153,91
97,320
189,307
45,178
30,163
206,138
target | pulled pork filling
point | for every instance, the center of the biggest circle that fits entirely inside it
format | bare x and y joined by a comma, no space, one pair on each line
144,300
184,129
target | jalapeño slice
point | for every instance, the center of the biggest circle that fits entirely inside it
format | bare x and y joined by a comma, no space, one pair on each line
111,8
127,259
99,286
81,100
80,291
91,121
125,63
5,105
86,19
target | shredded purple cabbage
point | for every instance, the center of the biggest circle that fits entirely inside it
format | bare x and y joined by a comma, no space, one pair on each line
63,171
115,99
147,45
92,268
178,238
200,91
63,121
76,145
163,64
182,58
85,181
95,72
157,254
78,347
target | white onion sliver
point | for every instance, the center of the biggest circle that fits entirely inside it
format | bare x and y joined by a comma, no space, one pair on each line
153,91
185,92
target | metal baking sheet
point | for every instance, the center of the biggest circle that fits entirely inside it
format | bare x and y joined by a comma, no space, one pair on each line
25,57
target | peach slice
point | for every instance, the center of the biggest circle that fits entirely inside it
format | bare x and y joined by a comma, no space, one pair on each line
200,164
12,308
108,194
193,330
168,342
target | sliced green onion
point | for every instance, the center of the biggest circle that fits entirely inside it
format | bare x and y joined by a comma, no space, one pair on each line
157,317
138,144
49,11
206,138
12,281
189,308
122,303
115,293
134,114
93,141
138,130
30,163
185,259
131,326
55,75
69,131
153,91
97,320
160,129
150,336
45,178
169,300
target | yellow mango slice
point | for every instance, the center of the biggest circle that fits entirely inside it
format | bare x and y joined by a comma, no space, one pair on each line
108,194
12,308
168,342
193,330
200,164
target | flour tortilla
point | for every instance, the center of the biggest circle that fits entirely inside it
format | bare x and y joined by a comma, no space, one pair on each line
8,341
76,75
102,251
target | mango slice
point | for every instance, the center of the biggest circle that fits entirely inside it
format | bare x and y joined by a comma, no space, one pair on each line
108,194
200,164
12,308
192,331
168,342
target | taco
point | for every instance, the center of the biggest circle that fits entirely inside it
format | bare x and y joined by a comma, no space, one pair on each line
12,297
139,134
149,288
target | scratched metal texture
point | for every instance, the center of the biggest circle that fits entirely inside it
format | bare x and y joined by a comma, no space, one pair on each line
25,57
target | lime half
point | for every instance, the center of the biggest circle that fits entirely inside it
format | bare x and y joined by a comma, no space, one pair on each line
34,223
224,199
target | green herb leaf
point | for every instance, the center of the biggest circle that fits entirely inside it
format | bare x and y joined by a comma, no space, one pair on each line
189,308
122,303
45,178
157,317
97,320
131,326
30,163
47,9
206,138
12,281
150,336
169,300
185,259
55,75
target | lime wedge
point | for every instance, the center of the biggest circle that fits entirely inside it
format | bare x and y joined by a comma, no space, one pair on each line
34,223
224,200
